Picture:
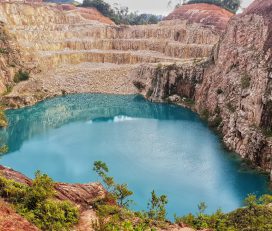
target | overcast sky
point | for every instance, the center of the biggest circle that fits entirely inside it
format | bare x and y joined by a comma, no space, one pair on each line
152,6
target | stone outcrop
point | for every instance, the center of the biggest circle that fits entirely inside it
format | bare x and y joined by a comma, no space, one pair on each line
206,14
233,90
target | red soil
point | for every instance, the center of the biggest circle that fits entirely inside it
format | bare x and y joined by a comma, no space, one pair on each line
11,221
203,13
87,13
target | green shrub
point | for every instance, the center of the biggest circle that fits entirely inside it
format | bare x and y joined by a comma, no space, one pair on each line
54,215
37,204
3,119
157,210
255,216
21,76
4,149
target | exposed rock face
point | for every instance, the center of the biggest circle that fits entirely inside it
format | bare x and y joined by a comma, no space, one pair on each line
206,14
234,91
10,59
175,82
58,40
242,71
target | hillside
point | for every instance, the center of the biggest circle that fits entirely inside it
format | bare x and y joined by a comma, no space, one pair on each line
207,14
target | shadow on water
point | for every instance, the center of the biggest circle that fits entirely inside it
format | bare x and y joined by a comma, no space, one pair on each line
148,145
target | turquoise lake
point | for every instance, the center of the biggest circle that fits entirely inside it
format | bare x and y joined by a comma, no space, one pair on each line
149,146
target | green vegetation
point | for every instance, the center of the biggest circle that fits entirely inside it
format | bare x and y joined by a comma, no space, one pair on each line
255,216
21,76
245,81
119,192
156,207
114,213
3,119
37,203
3,149
121,15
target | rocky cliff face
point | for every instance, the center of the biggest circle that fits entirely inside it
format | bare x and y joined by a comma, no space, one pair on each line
233,90
75,53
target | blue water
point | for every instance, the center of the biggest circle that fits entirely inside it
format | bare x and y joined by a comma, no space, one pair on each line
149,146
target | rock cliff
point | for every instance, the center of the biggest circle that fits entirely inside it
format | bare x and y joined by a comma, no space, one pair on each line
232,89
75,53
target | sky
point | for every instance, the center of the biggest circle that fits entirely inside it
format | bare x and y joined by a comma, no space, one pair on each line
152,6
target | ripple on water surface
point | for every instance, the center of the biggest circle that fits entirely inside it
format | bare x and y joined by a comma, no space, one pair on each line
147,145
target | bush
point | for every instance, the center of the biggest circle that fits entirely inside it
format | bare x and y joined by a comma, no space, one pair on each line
3,119
256,216
54,215
21,76
37,204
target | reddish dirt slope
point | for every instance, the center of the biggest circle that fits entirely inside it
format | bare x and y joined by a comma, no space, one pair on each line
11,221
87,13
206,14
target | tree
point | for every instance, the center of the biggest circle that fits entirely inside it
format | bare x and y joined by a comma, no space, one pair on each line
100,5
156,207
119,191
